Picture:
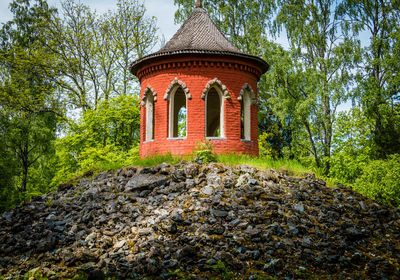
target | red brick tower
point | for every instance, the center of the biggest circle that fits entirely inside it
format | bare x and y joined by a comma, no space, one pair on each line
198,86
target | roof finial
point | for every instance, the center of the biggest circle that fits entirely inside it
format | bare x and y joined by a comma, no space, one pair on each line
198,4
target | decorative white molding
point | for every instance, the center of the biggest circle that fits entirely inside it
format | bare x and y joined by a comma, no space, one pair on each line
247,87
222,87
174,83
148,91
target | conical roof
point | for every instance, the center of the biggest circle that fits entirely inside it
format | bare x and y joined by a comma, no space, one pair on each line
198,35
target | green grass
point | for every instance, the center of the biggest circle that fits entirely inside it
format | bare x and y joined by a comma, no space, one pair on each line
288,166
292,166
155,160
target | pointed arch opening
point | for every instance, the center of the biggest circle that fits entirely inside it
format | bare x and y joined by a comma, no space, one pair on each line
150,117
177,113
214,121
246,99
149,97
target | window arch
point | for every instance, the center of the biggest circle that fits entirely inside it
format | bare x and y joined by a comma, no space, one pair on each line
150,118
214,113
177,93
149,97
177,113
246,98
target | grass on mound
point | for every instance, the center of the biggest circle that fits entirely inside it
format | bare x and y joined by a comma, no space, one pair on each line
292,166
155,160
288,166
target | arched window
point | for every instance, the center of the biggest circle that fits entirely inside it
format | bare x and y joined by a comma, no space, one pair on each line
214,113
245,118
149,103
177,113
148,99
246,98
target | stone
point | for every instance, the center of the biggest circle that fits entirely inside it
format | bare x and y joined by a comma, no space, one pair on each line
119,244
299,207
219,213
191,170
145,182
213,179
228,181
269,225
273,266
145,231
187,252
252,181
207,190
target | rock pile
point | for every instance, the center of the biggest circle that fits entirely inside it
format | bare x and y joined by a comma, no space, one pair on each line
200,221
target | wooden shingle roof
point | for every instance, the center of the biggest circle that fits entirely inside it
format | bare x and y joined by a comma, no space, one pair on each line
198,35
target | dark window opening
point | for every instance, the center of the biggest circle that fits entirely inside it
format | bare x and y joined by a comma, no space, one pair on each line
213,118
179,114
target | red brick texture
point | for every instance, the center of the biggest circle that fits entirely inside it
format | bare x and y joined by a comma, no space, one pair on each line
196,73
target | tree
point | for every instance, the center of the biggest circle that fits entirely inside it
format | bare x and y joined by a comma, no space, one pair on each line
244,22
94,52
105,138
28,103
316,80
378,87
352,145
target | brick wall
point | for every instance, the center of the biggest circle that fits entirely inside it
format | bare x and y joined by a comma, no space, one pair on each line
196,73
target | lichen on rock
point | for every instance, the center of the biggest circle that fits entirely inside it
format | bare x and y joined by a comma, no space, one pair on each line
202,220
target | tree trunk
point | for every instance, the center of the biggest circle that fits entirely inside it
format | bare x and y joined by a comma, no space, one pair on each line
314,149
25,166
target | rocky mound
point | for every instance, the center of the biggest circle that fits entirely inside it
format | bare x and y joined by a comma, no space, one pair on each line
191,221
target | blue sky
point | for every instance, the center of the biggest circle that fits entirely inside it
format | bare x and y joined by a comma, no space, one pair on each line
163,10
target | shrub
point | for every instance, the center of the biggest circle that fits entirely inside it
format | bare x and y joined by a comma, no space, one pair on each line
205,151
380,180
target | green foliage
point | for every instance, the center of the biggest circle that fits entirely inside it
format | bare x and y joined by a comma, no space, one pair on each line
222,270
176,274
103,139
378,83
28,103
303,273
205,151
352,145
380,180
155,160
244,22
182,114
270,142
312,78
94,51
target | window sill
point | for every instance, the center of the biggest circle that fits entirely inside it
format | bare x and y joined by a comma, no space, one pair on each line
245,140
215,138
148,141
176,138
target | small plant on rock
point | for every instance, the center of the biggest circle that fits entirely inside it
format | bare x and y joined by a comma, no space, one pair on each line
222,270
204,151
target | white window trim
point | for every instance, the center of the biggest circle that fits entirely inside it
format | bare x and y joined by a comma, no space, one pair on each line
247,98
150,122
171,97
149,119
221,117
246,103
